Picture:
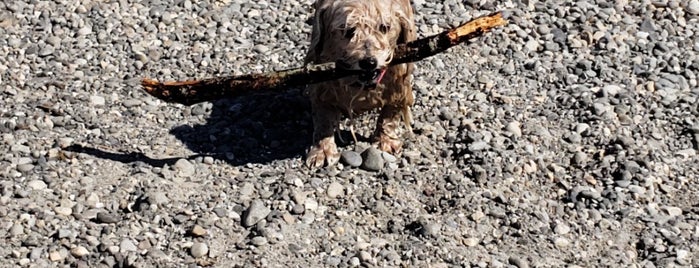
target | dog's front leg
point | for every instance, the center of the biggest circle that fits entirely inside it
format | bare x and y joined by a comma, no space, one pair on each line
324,150
386,135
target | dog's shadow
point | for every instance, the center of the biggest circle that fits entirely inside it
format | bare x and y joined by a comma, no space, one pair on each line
257,128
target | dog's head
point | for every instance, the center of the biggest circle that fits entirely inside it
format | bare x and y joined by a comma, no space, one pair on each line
359,35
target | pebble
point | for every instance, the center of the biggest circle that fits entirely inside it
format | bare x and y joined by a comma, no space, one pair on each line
37,185
199,249
55,256
259,241
127,245
372,159
514,128
693,7
184,168
351,158
198,231
97,101
335,189
79,251
63,211
103,217
255,213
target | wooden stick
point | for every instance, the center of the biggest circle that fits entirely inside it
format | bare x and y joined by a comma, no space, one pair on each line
195,91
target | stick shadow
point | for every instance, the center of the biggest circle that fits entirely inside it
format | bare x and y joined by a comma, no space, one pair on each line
256,128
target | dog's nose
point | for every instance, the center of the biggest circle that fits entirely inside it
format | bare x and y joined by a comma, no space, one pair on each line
368,63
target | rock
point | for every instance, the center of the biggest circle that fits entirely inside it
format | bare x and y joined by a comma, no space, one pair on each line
17,229
693,7
351,158
79,251
63,211
561,242
514,129
55,256
103,217
335,189
388,157
562,228
259,241
198,231
199,249
127,245
471,242
184,167
97,100
255,213
372,159
37,185
518,262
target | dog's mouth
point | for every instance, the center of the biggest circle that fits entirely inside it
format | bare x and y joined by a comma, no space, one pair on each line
369,79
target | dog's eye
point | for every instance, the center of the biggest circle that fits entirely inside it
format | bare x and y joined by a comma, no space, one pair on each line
349,32
384,28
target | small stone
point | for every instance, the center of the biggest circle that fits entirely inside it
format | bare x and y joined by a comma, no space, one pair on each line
514,128
388,157
373,161
127,245
471,242
562,228
673,211
478,146
97,101
335,189
579,159
255,213
364,256
261,49
477,216
259,241
17,229
103,217
561,242
184,167
37,185
199,249
24,168
198,231
520,263
693,7
351,158
63,211
355,262
55,256
79,251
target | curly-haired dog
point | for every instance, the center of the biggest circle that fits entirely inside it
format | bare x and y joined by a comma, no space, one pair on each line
360,35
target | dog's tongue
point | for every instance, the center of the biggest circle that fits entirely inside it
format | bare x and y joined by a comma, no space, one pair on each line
381,76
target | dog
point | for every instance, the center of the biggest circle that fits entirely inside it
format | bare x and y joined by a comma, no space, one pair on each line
360,35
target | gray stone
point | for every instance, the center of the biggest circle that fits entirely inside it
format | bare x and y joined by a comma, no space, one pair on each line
372,159
351,158
335,189
255,213
199,249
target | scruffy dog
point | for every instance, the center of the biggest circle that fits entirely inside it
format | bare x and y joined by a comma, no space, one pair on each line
360,35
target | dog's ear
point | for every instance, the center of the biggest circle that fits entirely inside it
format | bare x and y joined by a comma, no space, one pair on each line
407,24
317,34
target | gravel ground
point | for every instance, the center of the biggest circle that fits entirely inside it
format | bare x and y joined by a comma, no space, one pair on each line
567,138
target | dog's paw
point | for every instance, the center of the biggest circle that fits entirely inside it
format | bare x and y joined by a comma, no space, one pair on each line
322,153
388,144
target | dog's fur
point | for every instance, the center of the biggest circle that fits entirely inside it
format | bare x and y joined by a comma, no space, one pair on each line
360,34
